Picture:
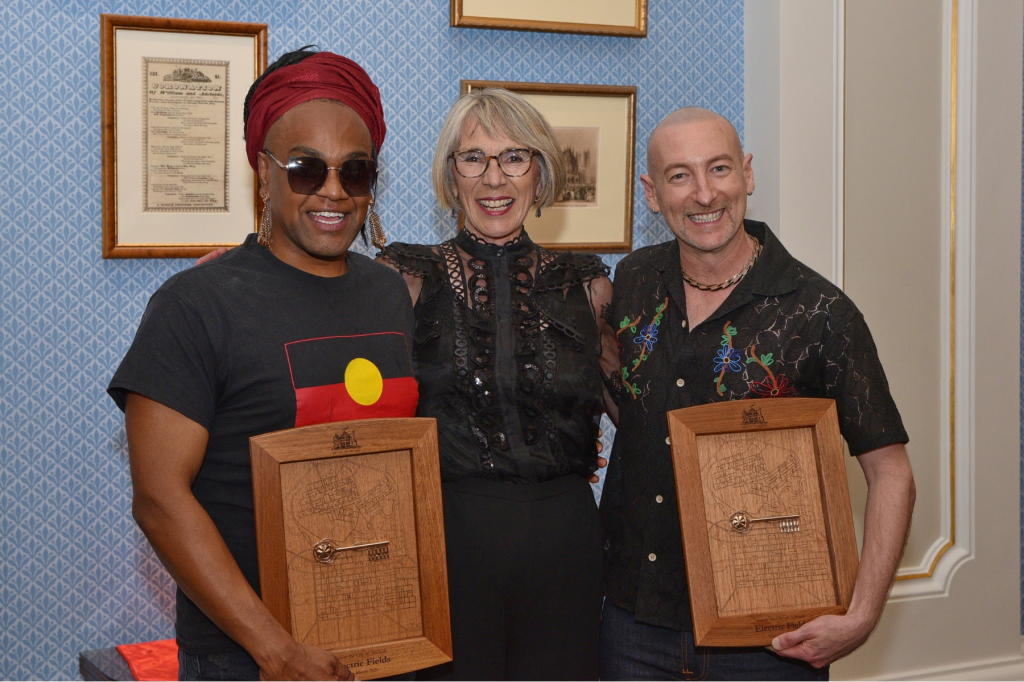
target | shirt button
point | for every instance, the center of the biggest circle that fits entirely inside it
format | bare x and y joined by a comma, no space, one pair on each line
652,556
680,383
668,441
684,324
659,499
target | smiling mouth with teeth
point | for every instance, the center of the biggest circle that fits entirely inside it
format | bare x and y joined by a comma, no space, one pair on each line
707,217
328,217
495,204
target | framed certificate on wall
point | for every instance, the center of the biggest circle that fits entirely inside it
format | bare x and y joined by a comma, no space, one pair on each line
176,180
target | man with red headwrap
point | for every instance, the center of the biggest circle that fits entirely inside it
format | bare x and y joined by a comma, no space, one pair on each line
285,330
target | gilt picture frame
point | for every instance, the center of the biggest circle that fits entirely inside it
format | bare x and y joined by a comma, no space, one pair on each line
625,18
596,127
765,514
176,179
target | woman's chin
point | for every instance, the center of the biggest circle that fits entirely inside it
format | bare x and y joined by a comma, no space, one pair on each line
495,230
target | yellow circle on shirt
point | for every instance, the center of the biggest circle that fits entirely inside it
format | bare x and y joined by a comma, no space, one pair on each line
363,381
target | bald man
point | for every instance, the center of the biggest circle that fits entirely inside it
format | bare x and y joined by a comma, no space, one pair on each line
724,312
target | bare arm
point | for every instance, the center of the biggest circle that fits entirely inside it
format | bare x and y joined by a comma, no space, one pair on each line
166,450
600,293
890,503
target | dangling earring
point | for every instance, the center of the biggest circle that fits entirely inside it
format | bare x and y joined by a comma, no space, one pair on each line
538,211
263,236
455,213
377,235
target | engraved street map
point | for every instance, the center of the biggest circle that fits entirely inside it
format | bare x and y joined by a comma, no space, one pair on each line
764,513
351,550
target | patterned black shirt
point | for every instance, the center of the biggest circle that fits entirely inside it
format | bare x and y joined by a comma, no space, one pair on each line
506,354
783,331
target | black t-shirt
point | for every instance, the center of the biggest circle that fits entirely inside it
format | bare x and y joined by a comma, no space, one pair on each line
784,331
245,345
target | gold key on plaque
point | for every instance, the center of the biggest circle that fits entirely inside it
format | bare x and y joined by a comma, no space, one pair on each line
325,551
741,522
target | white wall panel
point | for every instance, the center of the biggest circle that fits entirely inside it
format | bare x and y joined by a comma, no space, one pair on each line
943,305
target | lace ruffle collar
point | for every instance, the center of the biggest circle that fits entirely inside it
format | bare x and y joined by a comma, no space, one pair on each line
478,248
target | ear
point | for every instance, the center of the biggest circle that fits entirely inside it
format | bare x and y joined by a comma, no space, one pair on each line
649,193
263,171
450,178
748,172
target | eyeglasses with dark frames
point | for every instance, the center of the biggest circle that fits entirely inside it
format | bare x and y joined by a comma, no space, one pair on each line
472,163
307,174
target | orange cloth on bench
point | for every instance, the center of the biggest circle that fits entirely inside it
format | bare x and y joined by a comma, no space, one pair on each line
152,660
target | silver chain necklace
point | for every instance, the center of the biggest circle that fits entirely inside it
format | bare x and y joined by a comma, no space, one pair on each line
729,282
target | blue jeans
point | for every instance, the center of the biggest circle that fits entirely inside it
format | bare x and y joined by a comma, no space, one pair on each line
636,651
235,666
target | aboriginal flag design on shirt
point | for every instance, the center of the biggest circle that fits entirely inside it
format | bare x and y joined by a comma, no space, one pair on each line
338,378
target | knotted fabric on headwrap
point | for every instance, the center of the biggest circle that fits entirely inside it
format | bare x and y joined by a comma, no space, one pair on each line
325,75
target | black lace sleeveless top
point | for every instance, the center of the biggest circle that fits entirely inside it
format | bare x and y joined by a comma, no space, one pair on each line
506,354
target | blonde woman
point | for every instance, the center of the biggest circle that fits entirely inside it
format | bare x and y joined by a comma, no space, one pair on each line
509,349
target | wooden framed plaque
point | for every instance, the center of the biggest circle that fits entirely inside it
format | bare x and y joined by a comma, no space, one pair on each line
350,536
765,513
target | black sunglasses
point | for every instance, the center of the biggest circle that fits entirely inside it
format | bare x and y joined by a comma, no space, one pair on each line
307,174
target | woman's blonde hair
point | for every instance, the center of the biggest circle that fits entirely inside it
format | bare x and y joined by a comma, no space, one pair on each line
499,111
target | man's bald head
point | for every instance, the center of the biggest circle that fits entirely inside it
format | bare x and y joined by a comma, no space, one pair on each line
683,117
698,178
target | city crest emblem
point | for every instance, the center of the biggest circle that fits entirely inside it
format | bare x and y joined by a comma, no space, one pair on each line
753,417
345,440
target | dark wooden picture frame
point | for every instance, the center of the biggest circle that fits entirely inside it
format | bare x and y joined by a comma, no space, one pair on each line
751,580
615,220
110,25
296,584
497,20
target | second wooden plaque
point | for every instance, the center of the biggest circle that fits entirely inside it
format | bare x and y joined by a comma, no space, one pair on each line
765,514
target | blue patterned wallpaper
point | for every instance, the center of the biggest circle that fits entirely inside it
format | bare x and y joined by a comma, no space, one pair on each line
75,572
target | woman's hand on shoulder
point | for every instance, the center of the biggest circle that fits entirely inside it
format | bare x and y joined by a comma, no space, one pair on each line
216,253
601,461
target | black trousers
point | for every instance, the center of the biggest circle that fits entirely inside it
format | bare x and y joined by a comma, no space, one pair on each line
524,580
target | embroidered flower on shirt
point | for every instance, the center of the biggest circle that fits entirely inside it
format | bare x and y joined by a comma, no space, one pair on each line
645,341
774,385
728,358
648,337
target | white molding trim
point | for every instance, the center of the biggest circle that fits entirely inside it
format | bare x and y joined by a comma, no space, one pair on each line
838,142
930,557
957,480
1006,668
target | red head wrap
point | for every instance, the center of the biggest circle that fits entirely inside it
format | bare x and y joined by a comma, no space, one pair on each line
325,75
